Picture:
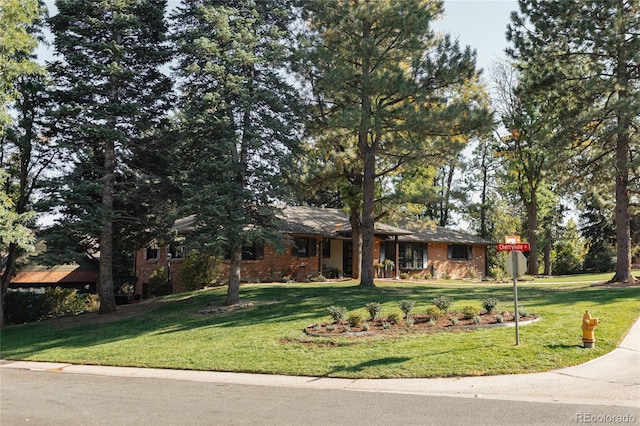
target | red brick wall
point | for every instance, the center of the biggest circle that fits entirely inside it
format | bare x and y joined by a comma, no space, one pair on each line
272,267
275,266
440,266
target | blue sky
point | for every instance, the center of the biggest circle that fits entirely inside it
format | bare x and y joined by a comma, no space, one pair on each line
481,24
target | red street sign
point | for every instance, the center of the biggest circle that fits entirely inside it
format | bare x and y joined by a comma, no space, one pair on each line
512,247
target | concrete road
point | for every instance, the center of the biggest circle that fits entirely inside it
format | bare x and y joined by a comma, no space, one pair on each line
31,397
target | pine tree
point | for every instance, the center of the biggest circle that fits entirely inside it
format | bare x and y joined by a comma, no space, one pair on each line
582,57
111,95
384,86
238,115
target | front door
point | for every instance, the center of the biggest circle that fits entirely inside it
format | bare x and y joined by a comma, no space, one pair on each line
347,258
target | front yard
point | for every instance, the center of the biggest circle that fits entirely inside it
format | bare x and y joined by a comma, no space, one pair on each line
266,333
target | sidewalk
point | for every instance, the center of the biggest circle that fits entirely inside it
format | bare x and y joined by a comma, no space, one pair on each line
613,379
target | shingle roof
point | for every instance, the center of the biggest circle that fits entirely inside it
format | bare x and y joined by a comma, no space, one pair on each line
326,222
439,234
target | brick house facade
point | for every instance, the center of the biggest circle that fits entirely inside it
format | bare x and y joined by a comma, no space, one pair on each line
319,240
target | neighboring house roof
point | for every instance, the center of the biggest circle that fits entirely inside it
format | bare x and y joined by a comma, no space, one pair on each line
85,271
439,234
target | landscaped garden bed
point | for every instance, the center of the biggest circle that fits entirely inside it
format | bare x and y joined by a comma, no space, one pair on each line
452,321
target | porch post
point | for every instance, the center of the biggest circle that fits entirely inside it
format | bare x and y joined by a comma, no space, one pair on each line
397,260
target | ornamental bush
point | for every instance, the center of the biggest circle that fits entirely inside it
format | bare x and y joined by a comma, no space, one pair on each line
407,306
470,312
442,302
199,270
338,313
374,309
489,304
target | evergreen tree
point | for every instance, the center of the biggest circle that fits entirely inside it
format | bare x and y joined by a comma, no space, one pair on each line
582,57
385,86
20,23
598,229
111,95
238,114
569,250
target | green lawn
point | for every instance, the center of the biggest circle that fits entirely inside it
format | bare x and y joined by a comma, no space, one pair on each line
268,337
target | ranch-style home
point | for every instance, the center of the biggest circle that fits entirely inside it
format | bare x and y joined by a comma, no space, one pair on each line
319,240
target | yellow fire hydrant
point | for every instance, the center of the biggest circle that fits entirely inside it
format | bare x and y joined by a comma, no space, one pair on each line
588,326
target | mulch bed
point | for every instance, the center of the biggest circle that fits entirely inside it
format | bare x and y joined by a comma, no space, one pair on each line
421,323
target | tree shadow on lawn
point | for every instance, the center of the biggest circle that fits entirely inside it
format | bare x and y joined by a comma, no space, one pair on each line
382,362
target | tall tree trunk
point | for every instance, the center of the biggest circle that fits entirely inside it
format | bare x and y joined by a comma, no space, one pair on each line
356,243
107,297
623,230
5,279
367,149
233,292
547,251
532,217
368,187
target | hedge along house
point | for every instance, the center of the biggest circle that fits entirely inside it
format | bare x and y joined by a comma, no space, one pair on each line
319,241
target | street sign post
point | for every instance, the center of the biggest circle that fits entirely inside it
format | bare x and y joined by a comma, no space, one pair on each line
516,265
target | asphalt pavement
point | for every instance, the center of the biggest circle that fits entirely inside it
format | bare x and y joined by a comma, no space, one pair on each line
611,380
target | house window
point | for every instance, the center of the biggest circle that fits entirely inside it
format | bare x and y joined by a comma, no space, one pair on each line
177,252
303,247
326,248
152,253
253,252
459,252
412,256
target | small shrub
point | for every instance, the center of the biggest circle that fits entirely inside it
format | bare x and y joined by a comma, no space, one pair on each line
199,270
355,320
159,282
57,302
338,313
410,322
523,312
317,327
316,278
432,322
434,313
365,326
346,328
331,327
470,311
526,278
386,325
454,321
489,304
374,309
405,276
394,317
407,306
499,318
442,302
476,319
